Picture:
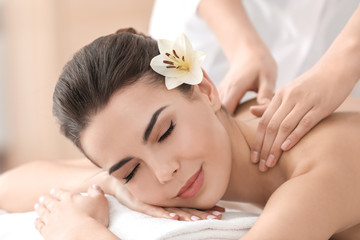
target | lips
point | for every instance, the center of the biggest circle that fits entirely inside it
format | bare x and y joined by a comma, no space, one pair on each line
192,186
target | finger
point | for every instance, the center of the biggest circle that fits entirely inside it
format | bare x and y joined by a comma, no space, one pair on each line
217,208
286,127
231,94
273,128
95,191
261,129
306,123
204,215
183,216
217,214
265,92
59,194
262,165
158,212
232,99
258,110
49,202
41,211
39,225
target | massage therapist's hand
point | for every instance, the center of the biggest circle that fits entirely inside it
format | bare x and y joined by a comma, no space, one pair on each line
182,214
252,68
293,111
300,105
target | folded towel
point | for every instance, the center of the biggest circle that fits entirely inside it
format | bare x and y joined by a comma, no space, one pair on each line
131,225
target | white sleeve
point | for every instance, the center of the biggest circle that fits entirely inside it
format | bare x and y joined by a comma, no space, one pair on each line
169,17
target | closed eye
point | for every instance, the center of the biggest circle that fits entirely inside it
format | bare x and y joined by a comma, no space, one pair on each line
168,132
132,174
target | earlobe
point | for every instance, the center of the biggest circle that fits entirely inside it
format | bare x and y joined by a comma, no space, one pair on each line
208,88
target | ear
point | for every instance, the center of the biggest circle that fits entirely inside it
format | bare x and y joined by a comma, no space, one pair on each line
208,88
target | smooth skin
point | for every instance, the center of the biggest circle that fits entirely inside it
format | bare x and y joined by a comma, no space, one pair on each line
312,194
299,106
285,120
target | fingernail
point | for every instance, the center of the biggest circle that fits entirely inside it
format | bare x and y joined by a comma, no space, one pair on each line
52,191
36,206
254,156
172,214
210,217
195,218
216,213
97,187
286,145
41,199
270,162
262,165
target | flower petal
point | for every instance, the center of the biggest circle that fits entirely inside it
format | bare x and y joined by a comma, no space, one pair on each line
165,46
193,77
172,82
200,56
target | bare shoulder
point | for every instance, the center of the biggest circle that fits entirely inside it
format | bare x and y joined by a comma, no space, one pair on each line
350,104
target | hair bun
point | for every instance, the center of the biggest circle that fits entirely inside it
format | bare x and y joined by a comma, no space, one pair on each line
127,30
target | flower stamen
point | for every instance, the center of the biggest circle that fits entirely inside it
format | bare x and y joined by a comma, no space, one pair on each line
176,61
175,53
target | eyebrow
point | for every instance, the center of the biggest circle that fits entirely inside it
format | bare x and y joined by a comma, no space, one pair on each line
152,122
148,130
118,165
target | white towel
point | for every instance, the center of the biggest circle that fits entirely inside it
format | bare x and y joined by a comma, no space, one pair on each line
131,225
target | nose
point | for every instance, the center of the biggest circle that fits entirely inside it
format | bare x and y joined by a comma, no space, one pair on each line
166,170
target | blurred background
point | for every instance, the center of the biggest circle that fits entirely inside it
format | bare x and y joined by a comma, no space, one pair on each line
37,38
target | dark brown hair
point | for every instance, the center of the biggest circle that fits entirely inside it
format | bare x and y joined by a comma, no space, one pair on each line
96,72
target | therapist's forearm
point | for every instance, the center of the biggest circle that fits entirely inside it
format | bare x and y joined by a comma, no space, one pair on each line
230,23
342,60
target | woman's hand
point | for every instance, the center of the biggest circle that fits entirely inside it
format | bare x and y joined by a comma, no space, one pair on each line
293,111
252,68
183,214
62,214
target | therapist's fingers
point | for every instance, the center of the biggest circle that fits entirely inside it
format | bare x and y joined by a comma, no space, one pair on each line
261,129
230,95
286,127
272,129
258,110
306,123
265,91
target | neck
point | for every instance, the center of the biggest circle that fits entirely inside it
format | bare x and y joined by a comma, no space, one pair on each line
247,183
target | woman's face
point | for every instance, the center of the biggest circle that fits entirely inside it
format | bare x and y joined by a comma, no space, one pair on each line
168,150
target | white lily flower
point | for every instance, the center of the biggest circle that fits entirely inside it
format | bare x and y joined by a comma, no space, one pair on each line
178,62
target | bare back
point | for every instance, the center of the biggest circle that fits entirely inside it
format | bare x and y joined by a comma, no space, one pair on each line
323,180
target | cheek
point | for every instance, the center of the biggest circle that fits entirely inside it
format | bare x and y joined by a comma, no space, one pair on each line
146,188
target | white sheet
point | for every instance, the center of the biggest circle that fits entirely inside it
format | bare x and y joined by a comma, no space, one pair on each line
131,225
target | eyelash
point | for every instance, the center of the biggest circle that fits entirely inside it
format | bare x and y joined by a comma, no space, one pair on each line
162,138
168,132
131,175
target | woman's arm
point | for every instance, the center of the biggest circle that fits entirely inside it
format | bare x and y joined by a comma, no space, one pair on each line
22,186
314,205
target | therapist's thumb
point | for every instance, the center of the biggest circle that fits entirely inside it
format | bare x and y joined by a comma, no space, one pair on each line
265,93
232,98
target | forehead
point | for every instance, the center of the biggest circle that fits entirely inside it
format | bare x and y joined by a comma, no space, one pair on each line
124,120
